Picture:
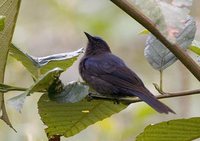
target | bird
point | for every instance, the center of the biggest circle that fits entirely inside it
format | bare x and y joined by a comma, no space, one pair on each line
108,75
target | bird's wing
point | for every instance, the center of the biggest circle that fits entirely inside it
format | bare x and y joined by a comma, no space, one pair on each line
113,70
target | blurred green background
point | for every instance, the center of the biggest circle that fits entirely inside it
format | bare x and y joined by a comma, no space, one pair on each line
46,27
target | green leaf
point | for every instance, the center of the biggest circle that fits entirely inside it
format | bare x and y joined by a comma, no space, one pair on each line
73,92
25,59
40,65
45,80
41,85
2,22
62,60
195,47
173,130
6,88
9,9
68,119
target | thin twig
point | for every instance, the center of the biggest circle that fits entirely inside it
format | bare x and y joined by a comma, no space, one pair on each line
131,10
128,100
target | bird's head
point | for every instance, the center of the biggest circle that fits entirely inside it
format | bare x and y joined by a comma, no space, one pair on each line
96,45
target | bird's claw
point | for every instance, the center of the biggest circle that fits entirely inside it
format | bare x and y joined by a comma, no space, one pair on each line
89,97
116,101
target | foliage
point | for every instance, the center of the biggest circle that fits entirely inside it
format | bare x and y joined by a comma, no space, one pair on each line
9,9
71,93
40,85
40,65
68,119
70,96
174,22
64,109
173,130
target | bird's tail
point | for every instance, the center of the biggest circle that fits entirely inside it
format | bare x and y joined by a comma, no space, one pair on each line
150,99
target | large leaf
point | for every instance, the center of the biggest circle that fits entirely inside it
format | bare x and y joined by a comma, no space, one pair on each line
159,56
40,65
2,22
68,119
174,130
173,21
41,85
8,8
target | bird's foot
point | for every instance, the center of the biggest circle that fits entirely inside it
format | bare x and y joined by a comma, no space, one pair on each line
116,101
89,97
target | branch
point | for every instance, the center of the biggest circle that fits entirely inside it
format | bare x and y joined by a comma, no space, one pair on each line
129,100
189,63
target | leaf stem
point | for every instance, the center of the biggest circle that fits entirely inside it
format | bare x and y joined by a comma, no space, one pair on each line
161,80
131,10
13,89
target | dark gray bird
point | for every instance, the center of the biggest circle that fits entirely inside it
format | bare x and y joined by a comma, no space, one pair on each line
109,75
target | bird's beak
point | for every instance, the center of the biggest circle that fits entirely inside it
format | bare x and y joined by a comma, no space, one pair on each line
88,36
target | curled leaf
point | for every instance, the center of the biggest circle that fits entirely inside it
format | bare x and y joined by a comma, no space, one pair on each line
71,93
40,65
61,60
41,85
